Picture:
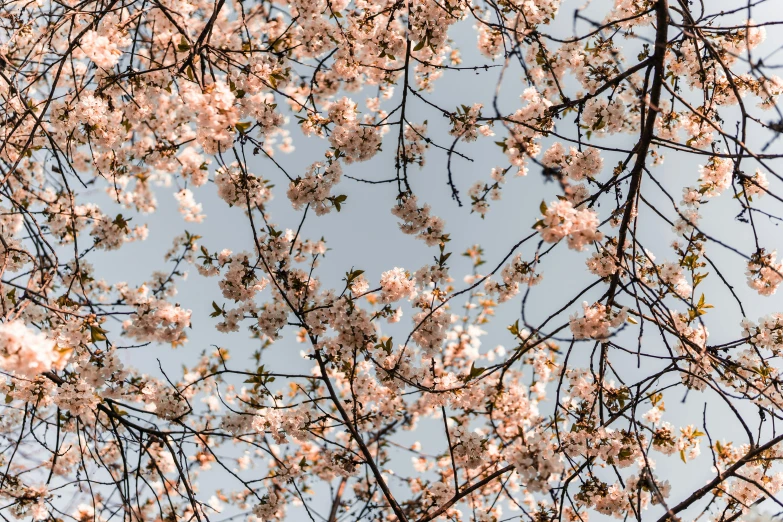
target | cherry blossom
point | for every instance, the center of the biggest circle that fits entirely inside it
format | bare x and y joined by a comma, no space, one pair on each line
266,358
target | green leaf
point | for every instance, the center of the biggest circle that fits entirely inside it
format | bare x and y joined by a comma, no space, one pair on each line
243,127
274,233
698,278
542,207
121,222
97,334
514,328
475,371
337,201
353,274
183,46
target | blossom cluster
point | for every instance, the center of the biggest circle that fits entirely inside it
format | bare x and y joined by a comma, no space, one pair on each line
414,398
